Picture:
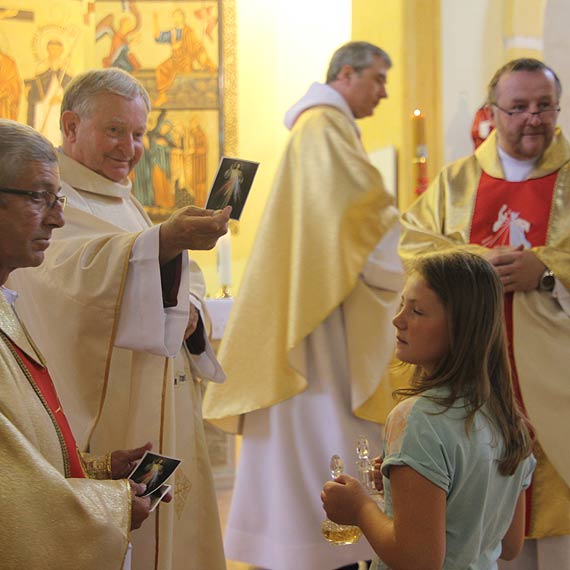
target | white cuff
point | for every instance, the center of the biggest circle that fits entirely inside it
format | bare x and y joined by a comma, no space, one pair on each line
144,323
383,268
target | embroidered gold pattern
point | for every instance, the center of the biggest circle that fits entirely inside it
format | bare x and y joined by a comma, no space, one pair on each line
182,487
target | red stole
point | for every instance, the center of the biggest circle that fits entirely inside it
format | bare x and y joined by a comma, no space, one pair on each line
44,383
511,214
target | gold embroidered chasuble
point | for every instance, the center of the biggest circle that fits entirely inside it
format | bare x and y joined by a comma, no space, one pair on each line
321,222
117,398
441,218
50,522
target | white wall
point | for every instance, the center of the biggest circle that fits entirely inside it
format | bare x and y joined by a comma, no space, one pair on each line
556,51
472,49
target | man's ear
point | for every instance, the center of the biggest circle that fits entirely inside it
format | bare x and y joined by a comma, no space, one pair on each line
345,73
69,125
490,112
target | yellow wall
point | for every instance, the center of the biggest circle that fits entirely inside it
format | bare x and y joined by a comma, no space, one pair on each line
383,27
409,30
523,25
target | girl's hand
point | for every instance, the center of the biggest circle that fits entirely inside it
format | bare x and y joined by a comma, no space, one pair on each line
343,499
378,479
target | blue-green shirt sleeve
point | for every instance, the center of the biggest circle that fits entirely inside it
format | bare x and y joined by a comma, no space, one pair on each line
412,439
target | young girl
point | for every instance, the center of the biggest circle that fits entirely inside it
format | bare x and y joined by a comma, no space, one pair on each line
457,454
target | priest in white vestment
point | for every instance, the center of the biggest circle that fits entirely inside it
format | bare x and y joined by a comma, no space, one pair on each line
309,339
130,347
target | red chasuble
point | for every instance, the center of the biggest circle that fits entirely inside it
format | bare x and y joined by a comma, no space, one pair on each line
513,214
44,383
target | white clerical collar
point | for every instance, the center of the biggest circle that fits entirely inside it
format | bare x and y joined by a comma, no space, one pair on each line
515,170
82,178
9,295
317,95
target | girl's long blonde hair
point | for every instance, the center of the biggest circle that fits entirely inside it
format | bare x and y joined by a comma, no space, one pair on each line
476,367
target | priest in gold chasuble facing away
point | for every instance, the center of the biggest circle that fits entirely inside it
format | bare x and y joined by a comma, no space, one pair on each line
310,337
510,202
61,510
130,351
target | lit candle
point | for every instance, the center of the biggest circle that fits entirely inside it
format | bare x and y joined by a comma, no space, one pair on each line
419,133
224,251
420,152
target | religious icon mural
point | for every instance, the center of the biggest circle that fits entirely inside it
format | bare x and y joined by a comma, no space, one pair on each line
178,164
32,83
120,35
174,48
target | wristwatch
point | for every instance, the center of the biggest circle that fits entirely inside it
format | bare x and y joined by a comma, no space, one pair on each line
547,280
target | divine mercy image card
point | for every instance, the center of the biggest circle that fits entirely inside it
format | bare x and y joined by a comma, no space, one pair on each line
232,185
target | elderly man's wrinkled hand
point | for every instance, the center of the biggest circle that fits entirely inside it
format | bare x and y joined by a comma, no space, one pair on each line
140,506
192,228
123,461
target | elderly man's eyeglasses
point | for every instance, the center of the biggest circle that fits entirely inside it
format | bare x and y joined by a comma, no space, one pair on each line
524,111
40,197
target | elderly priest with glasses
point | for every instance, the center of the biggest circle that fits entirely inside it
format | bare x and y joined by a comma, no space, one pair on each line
60,509
510,202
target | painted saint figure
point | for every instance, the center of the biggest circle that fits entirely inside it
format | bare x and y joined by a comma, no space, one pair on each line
46,91
188,54
119,52
10,88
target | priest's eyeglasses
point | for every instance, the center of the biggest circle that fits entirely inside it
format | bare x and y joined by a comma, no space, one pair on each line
42,198
521,111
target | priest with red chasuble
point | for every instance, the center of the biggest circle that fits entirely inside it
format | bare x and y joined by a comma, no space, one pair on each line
510,202
61,510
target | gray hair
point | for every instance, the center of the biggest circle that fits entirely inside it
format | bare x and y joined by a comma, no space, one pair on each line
20,145
359,55
81,91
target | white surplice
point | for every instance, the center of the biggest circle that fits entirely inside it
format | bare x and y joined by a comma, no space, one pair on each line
276,512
